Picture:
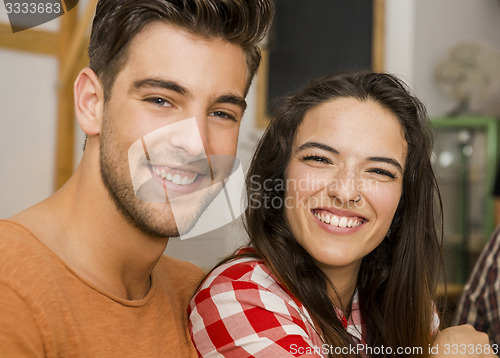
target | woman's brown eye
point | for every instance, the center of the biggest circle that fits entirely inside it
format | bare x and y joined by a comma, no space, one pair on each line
383,172
316,158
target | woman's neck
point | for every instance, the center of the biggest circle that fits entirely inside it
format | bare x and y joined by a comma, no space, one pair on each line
344,280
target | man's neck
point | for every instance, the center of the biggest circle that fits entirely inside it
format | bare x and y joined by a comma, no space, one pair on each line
89,234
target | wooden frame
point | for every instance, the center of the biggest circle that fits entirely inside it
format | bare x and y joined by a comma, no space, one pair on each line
73,39
36,41
378,47
68,45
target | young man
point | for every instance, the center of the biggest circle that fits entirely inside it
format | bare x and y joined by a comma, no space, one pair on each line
82,273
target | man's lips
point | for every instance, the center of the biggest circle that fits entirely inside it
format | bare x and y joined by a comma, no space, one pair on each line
338,218
177,182
176,176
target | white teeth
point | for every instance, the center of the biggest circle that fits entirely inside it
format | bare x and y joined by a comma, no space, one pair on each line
176,178
342,222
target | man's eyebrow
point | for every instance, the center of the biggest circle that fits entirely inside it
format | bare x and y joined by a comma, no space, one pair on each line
174,86
318,145
387,160
232,99
151,82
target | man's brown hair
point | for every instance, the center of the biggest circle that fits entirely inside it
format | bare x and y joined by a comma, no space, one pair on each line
116,22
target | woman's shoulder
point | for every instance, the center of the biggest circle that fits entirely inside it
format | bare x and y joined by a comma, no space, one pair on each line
249,282
241,309
238,271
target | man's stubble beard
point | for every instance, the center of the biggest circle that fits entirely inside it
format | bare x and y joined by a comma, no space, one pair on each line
152,219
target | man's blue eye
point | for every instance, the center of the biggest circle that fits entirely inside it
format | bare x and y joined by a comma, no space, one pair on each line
223,115
158,101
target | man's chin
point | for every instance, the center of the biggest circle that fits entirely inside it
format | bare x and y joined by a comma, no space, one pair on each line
188,209
175,218
184,223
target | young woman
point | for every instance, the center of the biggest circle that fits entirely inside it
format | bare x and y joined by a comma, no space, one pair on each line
344,256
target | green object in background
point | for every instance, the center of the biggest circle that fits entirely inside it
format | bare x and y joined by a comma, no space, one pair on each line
465,161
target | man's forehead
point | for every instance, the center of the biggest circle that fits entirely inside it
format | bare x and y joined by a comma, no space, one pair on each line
174,33
164,51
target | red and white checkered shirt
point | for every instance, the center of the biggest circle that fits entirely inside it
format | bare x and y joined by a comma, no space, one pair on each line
242,311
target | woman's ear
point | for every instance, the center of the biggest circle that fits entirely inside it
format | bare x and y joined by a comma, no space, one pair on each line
89,101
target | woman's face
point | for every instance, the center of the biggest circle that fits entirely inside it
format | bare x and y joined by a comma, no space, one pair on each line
344,181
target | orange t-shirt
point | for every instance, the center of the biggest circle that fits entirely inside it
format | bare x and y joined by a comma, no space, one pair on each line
47,310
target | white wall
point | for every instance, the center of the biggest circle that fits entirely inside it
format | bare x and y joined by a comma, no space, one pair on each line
27,125
399,35
419,33
27,129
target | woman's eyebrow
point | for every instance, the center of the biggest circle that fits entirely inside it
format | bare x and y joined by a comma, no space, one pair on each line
326,147
387,160
318,145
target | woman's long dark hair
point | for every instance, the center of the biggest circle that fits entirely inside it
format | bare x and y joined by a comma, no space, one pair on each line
397,281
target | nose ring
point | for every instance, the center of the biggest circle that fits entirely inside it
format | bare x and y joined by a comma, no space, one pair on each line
358,199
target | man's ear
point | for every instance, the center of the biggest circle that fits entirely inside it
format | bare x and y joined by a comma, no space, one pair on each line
89,101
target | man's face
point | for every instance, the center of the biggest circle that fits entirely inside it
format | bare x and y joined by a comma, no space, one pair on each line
180,97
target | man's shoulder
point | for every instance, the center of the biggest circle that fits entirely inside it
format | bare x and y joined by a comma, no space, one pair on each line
489,259
18,245
10,228
26,263
178,277
169,264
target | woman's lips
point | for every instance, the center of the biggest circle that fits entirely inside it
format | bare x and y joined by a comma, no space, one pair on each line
339,219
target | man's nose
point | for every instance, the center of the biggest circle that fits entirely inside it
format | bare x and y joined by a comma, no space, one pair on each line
190,136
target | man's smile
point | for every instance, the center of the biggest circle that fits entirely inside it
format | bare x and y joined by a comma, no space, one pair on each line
176,176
